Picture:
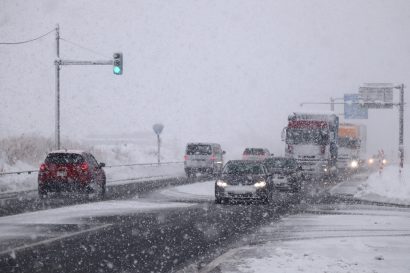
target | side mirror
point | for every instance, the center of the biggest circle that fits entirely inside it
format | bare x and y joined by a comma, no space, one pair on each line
101,165
223,152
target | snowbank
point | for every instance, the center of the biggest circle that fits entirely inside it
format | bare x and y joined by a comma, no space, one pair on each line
389,186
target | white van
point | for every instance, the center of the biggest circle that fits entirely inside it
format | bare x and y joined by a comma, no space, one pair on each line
203,158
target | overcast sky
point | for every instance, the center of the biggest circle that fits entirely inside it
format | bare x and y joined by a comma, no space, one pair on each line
223,71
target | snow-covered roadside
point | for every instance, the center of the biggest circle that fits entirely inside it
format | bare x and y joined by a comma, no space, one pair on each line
109,154
353,240
388,187
121,175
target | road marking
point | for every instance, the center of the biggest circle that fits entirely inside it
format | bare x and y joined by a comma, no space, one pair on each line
51,240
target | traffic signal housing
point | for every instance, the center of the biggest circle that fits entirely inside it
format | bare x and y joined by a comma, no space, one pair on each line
117,63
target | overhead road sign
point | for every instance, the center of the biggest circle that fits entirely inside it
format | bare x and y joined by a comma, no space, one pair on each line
377,95
353,109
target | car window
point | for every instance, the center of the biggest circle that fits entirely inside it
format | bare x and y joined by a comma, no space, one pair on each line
64,158
199,149
91,160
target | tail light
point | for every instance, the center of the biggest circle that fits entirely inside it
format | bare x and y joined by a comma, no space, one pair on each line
186,157
43,167
323,149
290,149
84,166
213,157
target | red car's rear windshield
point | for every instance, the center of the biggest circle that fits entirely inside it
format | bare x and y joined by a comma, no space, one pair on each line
64,158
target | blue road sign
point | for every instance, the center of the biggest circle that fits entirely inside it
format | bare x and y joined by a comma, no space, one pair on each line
354,110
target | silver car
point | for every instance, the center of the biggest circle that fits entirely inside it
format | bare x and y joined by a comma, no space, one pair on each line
204,158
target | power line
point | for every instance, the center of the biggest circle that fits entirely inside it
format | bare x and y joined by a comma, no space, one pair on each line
85,48
26,41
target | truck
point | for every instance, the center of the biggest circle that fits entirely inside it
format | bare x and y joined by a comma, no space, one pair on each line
351,147
311,138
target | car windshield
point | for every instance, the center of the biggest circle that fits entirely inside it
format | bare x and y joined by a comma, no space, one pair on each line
307,136
64,158
199,150
242,168
280,163
253,151
347,142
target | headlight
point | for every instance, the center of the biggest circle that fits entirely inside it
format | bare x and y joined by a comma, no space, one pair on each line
260,184
384,161
221,183
354,164
325,170
371,161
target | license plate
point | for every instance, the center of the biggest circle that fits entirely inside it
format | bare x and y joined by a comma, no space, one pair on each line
61,173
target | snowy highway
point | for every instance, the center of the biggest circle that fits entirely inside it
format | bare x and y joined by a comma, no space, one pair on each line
180,229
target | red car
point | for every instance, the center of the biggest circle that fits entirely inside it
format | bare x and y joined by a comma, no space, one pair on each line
69,170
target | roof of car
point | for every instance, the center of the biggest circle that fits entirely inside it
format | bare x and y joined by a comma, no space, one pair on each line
65,151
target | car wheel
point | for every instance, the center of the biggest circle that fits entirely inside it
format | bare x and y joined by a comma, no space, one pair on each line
42,193
97,190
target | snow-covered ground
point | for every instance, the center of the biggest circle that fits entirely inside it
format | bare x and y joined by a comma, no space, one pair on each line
390,186
354,240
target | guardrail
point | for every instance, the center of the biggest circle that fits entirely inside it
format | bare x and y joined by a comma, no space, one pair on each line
108,166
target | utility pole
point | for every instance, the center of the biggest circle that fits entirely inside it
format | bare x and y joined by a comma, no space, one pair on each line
57,65
401,126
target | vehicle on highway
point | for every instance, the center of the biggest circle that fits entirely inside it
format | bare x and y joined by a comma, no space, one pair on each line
351,147
286,173
243,179
255,154
311,138
72,171
204,158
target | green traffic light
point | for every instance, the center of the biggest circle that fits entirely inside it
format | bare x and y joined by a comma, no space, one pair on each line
117,70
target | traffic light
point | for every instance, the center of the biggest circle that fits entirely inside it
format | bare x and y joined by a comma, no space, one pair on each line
117,63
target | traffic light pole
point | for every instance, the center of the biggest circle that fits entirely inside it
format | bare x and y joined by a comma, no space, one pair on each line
58,63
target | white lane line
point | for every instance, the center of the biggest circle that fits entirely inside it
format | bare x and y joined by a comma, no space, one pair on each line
48,241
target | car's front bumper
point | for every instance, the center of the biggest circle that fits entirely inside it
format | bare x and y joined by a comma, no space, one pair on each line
248,192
